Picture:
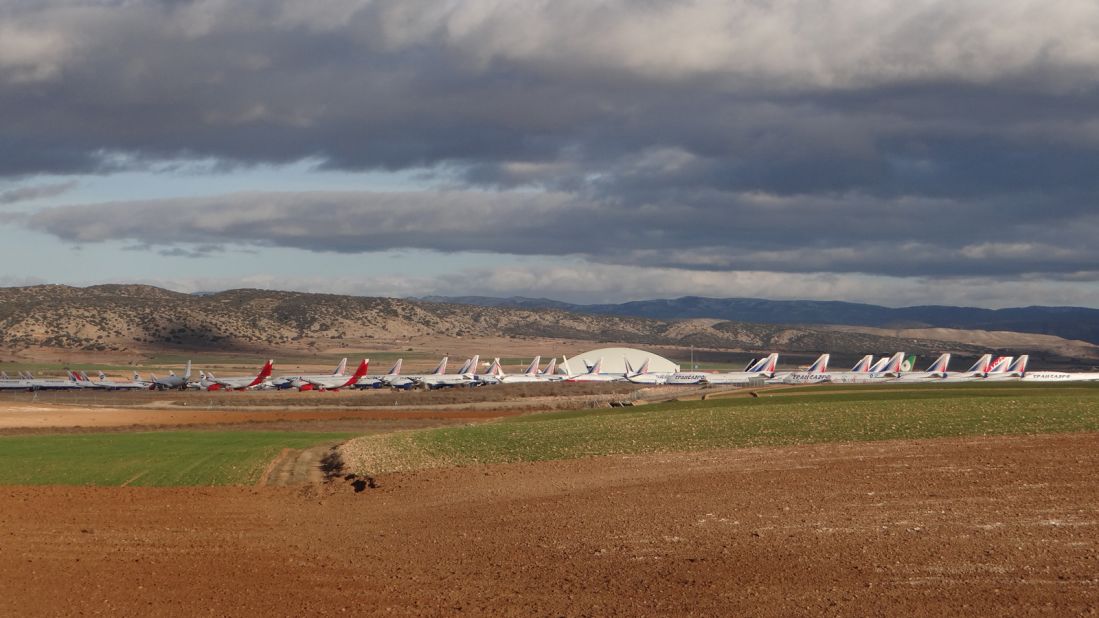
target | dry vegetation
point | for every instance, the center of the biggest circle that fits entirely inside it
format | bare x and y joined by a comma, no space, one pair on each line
133,318
552,396
796,416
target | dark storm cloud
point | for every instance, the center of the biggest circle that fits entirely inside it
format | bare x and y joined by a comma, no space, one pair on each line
909,138
710,231
400,83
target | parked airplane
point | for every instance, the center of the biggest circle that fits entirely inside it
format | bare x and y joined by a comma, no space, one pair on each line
643,375
395,380
532,374
936,371
998,367
491,375
978,371
53,384
763,369
303,380
815,374
862,372
379,381
888,368
1015,371
136,383
84,382
464,377
172,381
1059,376
692,378
863,366
80,383
686,378
594,374
16,384
241,383
333,382
550,372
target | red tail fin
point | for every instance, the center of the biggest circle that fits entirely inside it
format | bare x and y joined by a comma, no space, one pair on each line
264,373
359,373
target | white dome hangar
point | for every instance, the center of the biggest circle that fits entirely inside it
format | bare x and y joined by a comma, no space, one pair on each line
614,360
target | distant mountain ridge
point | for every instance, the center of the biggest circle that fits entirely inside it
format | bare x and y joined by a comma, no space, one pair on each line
144,319
1069,322
135,317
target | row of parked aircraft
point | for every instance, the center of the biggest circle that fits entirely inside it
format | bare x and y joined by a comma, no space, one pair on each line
895,368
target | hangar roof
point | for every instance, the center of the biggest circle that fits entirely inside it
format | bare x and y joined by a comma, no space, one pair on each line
614,360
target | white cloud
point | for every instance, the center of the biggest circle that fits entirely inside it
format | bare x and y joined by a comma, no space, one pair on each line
35,192
30,54
787,43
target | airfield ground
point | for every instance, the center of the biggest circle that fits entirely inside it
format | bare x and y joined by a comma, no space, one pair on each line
807,501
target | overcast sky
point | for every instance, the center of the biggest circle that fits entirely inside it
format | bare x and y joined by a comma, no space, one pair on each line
886,151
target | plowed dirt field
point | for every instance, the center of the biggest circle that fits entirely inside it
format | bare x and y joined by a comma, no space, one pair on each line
979,526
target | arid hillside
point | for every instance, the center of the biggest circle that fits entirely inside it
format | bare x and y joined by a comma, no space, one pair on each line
135,318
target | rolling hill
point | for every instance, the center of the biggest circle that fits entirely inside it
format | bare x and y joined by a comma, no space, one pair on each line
1066,322
136,318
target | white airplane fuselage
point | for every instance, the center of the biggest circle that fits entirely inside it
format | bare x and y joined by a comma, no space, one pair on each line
800,378
1058,376
261,380
168,383
1005,376
446,379
299,381
334,381
597,377
963,376
859,377
55,384
238,384
736,377
16,385
649,378
686,378
403,381
920,376
522,378
123,385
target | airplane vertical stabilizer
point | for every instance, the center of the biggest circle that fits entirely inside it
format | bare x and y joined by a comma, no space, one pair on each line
820,365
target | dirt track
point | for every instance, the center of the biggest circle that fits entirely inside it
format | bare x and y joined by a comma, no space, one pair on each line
1000,526
296,467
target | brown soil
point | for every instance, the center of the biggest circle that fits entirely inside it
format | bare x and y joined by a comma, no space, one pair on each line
988,526
22,413
505,394
295,467
66,419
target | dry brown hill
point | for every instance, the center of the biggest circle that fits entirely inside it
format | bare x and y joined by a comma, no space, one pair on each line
144,318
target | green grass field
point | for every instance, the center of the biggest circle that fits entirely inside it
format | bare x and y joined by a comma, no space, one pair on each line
780,417
799,416
167,458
